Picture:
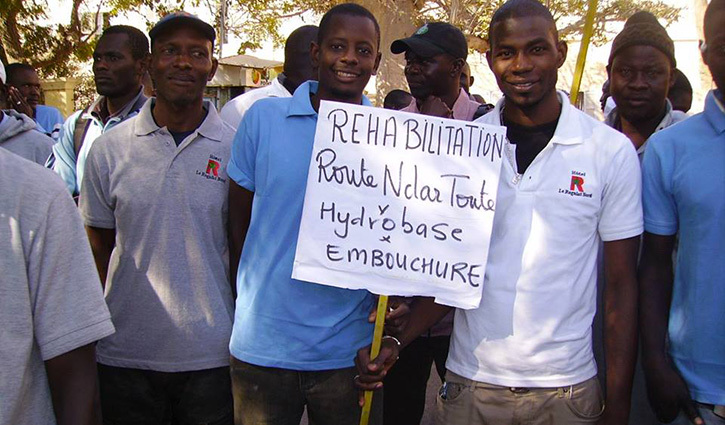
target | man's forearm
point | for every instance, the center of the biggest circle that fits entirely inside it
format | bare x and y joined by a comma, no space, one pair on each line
655,293
620,324
424,313
102,243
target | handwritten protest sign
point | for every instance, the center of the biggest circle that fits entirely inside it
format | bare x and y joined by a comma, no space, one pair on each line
399,203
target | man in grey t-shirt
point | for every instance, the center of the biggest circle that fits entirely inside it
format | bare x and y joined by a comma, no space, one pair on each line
154,200
51,305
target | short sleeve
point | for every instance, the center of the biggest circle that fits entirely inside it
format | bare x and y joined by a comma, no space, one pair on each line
66,295
621,212
242,163
95,198
660,209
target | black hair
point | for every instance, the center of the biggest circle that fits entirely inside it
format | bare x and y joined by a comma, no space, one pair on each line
521,9
12,71
712,8
347,9
136,39
682,84
397,99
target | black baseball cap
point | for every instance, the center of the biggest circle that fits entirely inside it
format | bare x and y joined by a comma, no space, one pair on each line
433,39
176,19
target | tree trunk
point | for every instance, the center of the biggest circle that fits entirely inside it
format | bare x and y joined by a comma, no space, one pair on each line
397,20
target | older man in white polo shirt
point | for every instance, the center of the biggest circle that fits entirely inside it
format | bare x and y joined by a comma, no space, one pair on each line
154,200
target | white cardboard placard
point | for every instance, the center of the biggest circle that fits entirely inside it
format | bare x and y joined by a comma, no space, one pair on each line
399,203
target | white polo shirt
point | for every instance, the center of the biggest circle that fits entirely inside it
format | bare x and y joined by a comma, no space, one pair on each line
168,281
533,326
233,111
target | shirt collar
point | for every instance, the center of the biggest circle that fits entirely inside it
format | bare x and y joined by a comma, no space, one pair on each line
301,103
132,106
211,128
565,133
715,111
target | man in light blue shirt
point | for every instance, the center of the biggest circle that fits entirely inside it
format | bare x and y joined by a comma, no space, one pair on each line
24,97
119,63
683,332
293,342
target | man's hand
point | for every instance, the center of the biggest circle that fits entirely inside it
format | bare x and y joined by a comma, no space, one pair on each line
372,372
434,106
17,102
397,316
668,393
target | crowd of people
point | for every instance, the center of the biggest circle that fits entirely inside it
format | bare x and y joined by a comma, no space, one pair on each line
148,240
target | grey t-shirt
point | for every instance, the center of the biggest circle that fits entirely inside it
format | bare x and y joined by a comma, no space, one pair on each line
168,280
50,295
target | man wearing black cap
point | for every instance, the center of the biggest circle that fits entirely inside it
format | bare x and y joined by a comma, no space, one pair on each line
434,58
154,201
641,71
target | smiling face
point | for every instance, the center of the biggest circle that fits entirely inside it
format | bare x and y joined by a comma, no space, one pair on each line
639,79
181,65
346,58
115,70
436,75
525,57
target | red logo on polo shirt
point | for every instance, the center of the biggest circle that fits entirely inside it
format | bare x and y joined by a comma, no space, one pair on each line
213,168
577,183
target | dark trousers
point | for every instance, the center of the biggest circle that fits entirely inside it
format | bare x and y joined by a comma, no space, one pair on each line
406,382
273,396
145,397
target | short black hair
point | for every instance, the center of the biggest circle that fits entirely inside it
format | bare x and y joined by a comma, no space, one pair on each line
521,9
347,9
137,40
12,71
397,99
712,8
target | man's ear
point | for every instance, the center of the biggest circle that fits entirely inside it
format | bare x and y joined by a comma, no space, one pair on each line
673,77
562,49
315,55
377,63
143,65
489,59
214,65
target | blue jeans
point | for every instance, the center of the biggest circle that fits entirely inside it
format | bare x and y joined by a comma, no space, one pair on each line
274,396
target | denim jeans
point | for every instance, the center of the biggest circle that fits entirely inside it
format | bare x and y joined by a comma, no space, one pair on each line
146,397
273,396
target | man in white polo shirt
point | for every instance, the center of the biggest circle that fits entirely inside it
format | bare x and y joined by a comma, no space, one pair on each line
154,200
567,182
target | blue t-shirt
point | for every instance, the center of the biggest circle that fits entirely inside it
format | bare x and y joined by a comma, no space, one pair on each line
49,119
683,182
279,321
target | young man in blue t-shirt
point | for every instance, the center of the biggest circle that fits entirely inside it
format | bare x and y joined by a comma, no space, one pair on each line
293,343
683,334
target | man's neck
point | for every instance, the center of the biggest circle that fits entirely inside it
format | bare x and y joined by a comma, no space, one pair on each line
543,112
117,103
178,118
639,132
287,83
451,97
316,98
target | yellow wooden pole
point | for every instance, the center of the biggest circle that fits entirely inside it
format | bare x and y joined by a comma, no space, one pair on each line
374,351
582,58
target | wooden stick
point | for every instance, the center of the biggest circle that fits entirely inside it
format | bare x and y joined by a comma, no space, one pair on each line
582,57
374,351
